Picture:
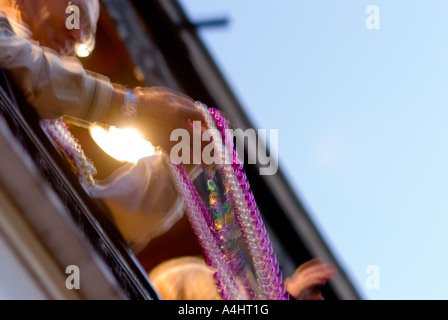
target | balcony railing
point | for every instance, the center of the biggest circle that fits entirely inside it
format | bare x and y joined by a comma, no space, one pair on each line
94,232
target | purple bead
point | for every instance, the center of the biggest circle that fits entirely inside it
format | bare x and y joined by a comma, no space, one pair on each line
258,223
261,232
245,186
263,241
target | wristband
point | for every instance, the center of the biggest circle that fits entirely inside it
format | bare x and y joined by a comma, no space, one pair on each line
129,107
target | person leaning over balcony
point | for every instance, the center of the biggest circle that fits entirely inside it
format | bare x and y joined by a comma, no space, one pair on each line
37,52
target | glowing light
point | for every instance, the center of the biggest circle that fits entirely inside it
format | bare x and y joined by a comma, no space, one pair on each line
82,50
122,144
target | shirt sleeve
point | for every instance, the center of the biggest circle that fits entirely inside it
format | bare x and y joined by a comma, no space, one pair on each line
142,199
53,85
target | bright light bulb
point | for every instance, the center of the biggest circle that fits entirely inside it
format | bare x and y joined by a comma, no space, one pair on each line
82,50
122,144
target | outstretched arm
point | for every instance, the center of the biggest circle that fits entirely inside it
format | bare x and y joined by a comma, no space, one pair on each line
57,86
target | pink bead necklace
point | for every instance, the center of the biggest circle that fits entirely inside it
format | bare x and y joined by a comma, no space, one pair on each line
263,262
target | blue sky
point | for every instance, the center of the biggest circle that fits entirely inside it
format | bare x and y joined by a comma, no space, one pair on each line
362,118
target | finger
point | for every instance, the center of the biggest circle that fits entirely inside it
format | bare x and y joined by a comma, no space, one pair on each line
163,93
175,118
163,90
316,279
309,263
314,269
319,272
191,114
163,103
327,269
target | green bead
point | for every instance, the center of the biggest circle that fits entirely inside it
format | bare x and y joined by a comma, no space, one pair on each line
211,186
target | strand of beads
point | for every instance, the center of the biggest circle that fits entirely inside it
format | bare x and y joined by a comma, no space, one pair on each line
82,166
239,204
196,213
257,239
229,234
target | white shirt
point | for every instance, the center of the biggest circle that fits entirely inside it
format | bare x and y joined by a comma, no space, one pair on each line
53,85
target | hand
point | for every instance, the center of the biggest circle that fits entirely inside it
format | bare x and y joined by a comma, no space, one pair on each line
302,284
161,111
